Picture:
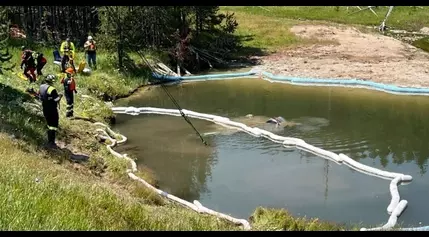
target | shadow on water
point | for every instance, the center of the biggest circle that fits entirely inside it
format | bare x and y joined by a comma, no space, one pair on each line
381,130
186,163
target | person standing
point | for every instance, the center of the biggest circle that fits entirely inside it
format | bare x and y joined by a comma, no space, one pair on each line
69,90
67,49
50,99
90,50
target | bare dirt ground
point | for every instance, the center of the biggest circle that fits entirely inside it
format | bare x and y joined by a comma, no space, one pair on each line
367,56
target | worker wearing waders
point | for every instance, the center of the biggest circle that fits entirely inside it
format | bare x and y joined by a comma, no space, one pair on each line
28,64
50,99
69,90
67,49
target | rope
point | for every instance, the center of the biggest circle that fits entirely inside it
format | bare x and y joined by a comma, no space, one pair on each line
174,101
196,205
182,114
396,206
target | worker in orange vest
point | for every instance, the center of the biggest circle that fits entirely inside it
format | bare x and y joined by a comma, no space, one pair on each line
69,90
91,54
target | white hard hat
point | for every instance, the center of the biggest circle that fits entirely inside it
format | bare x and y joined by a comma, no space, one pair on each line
50,78
89,37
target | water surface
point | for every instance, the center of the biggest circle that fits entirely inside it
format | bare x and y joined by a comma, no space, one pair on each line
238,172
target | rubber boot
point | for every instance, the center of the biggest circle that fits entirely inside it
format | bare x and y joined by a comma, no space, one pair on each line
51,139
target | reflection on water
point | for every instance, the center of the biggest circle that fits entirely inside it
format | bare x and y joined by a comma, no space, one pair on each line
168,146
238,172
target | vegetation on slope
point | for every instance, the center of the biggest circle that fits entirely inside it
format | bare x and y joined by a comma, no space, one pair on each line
47,190
256,24
402,17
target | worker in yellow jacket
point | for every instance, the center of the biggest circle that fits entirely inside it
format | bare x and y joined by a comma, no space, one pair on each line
67,50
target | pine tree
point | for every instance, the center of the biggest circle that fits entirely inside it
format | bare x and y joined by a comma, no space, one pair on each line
5,56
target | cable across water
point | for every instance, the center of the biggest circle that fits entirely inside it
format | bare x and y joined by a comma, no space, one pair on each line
394,209
396,206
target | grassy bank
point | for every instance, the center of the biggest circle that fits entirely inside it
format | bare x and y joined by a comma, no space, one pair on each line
422,43
266,30
259,38
40,195
402,17
46,190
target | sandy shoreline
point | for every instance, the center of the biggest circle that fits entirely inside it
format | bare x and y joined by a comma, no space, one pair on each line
352,54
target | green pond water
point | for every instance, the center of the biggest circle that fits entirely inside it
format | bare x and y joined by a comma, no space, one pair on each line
238,172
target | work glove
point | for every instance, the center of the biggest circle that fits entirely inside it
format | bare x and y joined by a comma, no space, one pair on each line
75,91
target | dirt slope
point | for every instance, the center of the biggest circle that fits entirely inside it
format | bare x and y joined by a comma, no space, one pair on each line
368,56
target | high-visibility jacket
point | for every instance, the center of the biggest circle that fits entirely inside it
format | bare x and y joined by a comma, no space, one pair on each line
49,96
67,48
69,84
90,46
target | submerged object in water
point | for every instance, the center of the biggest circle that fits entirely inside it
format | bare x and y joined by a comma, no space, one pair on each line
260,122
310,124
277,120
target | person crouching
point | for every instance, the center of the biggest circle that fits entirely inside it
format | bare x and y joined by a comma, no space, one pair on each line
69,90
28,65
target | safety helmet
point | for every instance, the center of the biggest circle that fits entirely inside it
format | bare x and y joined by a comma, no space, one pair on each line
68,39
23,48
50,78
69,70
89,37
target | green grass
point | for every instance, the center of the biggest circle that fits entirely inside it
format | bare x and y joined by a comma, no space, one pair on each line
258,35
267,30
276,220
40,195
402,17
105,80
257,32
422,43
92,195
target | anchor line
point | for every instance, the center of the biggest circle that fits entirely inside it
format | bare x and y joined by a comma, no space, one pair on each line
183,115
175,103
